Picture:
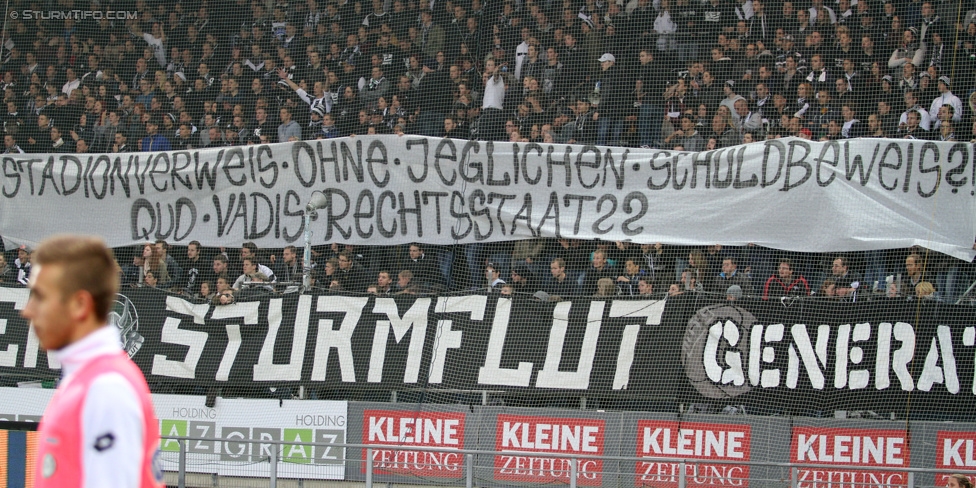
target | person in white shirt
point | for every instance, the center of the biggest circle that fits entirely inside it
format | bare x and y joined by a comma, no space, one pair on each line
522,52
156,39
911,104
23,264
318,98
493,102
946,97
72,84
251,268
666,28
494,97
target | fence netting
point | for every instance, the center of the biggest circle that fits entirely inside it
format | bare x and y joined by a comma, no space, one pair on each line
714,208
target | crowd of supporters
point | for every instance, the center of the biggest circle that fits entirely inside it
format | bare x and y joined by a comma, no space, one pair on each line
676,74
543,268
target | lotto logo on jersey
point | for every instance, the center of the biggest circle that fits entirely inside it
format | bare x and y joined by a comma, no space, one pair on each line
954,451
557,435
689,440
412,428
849,449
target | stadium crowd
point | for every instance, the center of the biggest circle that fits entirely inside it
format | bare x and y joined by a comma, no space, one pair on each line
543,268
676,74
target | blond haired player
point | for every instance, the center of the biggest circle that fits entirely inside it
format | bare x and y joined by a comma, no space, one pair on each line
99,430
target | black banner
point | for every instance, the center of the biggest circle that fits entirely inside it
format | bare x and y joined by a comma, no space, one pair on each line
781,356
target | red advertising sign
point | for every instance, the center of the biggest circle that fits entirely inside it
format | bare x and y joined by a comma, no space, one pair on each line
412,428
954,451
536,436
849,449
689,440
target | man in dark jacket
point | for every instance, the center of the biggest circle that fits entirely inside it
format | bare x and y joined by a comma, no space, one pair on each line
599,268
650,88
289,267
351,275
435,90
729,276
611,86
785,283
154,141
424,267
560,283
585,124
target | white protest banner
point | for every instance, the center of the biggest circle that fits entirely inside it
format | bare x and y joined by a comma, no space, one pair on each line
788,194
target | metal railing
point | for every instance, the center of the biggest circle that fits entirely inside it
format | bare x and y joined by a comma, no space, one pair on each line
469,466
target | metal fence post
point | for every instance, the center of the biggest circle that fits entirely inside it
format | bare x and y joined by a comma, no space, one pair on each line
794,476
682,482
273,458
911,479
573,472
181,476
469,476
369,467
